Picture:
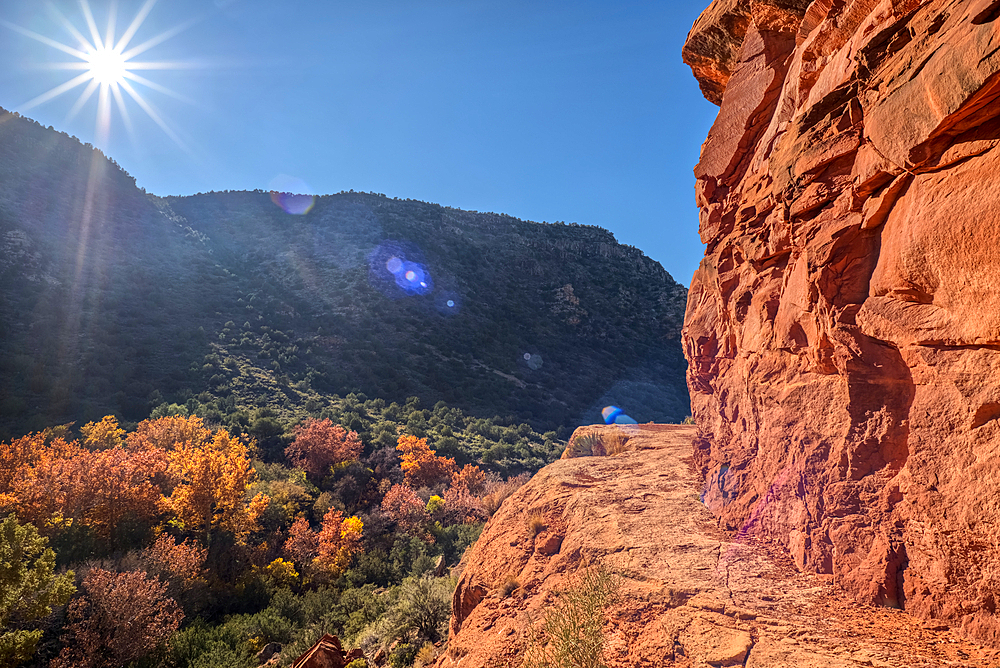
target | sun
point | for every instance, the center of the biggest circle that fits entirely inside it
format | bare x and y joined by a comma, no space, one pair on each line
108,68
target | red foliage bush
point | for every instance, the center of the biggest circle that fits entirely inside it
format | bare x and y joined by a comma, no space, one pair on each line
122,617
301,545
183,560
320,444
460,505
402,505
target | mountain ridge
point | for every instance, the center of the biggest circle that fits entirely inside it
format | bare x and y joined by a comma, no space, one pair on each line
119,299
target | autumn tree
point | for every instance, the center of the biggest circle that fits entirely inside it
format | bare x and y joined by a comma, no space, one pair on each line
104,434
210,482
320,444
99,489
338,541
402,505
421,465
301,546
471,477
169,433
181,561
122,617
28,588
27,451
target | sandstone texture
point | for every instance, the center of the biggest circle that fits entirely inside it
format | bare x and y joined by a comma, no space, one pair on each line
843,329
692,595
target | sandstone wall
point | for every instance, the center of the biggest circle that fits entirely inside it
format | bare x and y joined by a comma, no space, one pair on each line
843,330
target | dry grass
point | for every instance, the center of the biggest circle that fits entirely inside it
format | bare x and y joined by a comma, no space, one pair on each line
536,524
425,657
571,634
614,443
509,586
598,444
585,445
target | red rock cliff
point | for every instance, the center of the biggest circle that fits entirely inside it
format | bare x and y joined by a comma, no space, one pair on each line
843,330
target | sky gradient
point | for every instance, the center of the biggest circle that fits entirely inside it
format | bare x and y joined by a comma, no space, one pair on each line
554,111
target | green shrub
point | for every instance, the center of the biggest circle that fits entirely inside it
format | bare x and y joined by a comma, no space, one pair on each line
570,634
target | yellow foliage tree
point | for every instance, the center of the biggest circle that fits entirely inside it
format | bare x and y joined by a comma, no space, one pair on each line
210,481
103,435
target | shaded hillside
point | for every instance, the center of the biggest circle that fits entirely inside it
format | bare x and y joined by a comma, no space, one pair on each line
117,301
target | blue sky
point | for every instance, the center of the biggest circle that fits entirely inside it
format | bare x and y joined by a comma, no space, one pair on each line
572,111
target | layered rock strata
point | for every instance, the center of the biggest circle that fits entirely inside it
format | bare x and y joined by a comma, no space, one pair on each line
843,329
690,595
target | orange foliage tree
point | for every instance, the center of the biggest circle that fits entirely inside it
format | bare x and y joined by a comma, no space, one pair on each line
421,465
26,452
99,489
320,444
338,541
122,617
168,465
471,477
168,433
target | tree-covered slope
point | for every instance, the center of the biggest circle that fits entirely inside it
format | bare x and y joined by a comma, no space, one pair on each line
116,301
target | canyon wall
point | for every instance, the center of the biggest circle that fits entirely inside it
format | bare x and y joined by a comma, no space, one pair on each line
843,329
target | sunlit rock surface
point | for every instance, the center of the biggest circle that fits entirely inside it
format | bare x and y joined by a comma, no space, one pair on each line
843,330
691,595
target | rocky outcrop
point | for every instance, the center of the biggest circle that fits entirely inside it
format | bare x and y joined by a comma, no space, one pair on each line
691,595
328,653
843,330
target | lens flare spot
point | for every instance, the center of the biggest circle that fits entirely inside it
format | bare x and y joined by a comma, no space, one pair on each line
447,303
396,266
615,415
533,361
293,195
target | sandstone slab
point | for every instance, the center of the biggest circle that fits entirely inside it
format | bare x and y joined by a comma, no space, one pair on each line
692,595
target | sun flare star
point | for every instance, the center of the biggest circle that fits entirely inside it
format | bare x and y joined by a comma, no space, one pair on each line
107,67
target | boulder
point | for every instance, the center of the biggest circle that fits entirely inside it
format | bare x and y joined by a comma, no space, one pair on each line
267,652
327,653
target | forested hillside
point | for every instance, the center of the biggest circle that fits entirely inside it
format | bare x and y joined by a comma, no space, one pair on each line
116,301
